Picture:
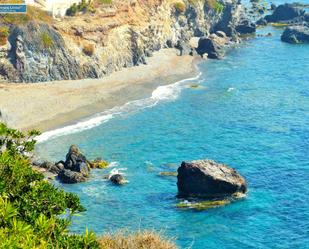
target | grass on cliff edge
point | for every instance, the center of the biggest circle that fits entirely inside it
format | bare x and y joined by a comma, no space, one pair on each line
33,14
31,207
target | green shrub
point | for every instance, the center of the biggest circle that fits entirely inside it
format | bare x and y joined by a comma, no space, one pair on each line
4,33
47,41
72,10
105,1
83,6
30,207
16,142
218,7
215,5
180,7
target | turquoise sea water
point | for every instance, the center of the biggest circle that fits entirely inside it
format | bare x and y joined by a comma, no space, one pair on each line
251,112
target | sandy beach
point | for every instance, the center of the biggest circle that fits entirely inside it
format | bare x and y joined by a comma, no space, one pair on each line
46,106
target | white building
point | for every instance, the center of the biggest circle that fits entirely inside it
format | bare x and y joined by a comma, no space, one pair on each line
56,7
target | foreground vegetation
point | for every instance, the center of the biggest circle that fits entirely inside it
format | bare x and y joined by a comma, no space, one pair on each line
29,205
140,240
35,214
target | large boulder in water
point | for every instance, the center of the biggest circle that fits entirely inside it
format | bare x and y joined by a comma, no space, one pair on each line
69,176
117,179
213,46
245,26
286,12
296,34
75,168
209,179
76,161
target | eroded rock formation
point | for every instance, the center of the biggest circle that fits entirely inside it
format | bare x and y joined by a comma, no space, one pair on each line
121,35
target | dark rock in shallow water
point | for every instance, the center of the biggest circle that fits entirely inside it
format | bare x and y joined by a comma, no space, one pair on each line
117,179
211,47
234,20
206,178
285,12
75,168
296,34
76,161
246,27
57,168
69,176
261,22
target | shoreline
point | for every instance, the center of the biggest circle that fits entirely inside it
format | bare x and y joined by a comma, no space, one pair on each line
51,105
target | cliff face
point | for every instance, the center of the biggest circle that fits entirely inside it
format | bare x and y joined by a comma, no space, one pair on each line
115,36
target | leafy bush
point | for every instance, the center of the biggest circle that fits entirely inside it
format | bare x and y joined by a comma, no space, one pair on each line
180,7
215,5
47,41
72,10
105,1
83,6
16,142
218,7
29,205
4,33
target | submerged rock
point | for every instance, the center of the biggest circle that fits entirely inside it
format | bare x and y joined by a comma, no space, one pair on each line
296,34
118,179
98,163
167,173
202,205
246,27
206,178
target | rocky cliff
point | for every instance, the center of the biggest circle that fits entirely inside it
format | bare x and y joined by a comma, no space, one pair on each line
121,34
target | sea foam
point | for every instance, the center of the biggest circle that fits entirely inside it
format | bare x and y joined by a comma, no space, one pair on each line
161,93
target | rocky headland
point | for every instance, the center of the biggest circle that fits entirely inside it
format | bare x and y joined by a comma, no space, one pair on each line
114,36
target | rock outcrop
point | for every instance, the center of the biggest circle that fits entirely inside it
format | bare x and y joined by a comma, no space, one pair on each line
234,21
117,179
212,46
286,12
75,167
38,53
70,177
120,35
296,34
206,178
